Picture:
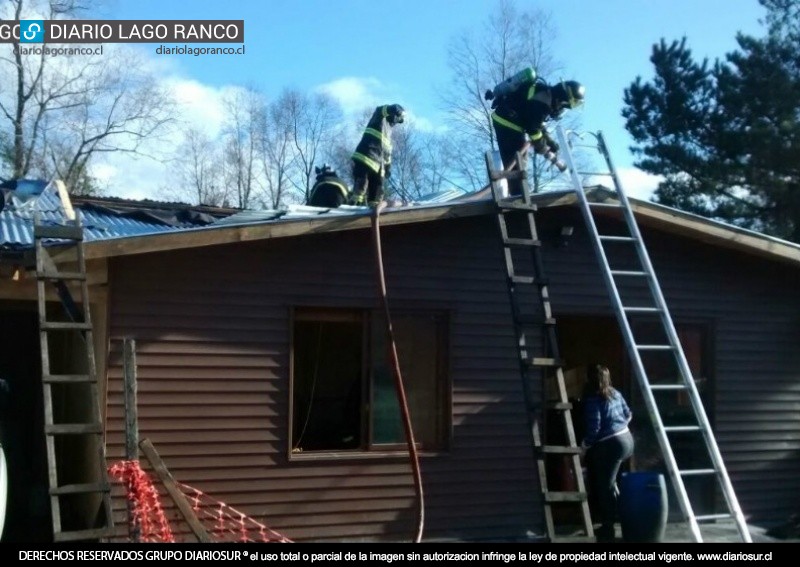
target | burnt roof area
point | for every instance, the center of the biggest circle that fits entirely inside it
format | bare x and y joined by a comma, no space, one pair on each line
171,213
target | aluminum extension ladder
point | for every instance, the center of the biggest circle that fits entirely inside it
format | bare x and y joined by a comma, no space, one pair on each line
73,423
525,276
628,282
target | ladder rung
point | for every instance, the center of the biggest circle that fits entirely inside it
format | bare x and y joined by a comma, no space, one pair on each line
58,231
697,472
87,488
605,205
642,309
559,405
508,205
713,517
96,533
73,428
559,450
497,175
64,326
627,273
654,347
78,276
681,428
521,319
572,539
565,497
667,386
523,279
604,173
521,242
542,361
68,378
617,238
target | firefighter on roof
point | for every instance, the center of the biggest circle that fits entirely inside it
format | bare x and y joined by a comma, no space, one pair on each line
372,160
520,115
329,190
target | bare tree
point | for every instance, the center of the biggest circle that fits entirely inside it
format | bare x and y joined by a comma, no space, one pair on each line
65,110
314,121
198,168
509,40
241,141
275,150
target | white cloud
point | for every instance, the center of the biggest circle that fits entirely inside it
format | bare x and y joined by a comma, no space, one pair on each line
130,176
201,106
354,93
637,183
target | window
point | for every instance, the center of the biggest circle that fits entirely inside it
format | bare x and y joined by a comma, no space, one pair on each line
343,386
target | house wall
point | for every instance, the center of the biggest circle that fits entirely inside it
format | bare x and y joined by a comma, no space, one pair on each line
212,334
212,337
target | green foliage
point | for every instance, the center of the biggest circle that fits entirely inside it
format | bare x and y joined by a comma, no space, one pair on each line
726,137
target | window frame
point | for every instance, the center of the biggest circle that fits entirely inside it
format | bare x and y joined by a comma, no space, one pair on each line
369,318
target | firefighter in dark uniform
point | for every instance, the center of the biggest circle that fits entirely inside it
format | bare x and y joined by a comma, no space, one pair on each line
329,190
372,160
524,111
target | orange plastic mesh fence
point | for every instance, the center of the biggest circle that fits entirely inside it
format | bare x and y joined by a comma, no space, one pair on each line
225,523
145,505
222,522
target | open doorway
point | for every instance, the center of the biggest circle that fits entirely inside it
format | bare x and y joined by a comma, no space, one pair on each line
584,339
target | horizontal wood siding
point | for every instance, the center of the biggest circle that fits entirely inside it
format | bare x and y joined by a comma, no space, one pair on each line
212,333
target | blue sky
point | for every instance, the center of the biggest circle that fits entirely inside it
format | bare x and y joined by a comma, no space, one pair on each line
396,50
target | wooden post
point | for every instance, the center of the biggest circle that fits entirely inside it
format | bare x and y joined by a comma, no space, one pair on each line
131,421
66,203
177,496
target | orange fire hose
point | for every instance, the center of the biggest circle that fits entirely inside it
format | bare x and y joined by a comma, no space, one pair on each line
398,378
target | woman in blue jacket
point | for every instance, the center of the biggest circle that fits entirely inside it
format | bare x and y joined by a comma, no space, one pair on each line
608,443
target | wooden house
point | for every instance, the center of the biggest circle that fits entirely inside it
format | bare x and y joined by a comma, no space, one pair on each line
263,380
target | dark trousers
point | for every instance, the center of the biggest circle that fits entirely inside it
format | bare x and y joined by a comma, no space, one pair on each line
509,142
603,460
366,181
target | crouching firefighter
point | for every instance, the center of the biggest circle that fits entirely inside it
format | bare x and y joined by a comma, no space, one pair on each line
524,111
329,189
372,160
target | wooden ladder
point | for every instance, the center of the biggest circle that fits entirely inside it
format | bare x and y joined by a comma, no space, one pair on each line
72,419
525,273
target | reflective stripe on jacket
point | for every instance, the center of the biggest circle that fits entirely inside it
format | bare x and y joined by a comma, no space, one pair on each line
375,148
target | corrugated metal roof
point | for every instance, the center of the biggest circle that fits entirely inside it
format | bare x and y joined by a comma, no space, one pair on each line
16,221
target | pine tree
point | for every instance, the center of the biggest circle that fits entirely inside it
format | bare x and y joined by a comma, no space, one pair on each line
726,137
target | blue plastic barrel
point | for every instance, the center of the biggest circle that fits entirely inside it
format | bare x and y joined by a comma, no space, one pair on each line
643,506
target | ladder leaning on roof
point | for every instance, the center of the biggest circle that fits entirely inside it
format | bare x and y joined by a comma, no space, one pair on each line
72,419
634,279
525,275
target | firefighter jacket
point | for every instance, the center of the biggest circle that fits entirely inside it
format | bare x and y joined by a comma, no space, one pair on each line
375,148
526,110
328,191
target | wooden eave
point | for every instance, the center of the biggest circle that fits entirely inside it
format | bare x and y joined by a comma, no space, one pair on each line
648,214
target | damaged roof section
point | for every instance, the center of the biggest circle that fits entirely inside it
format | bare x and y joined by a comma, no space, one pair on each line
102,218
